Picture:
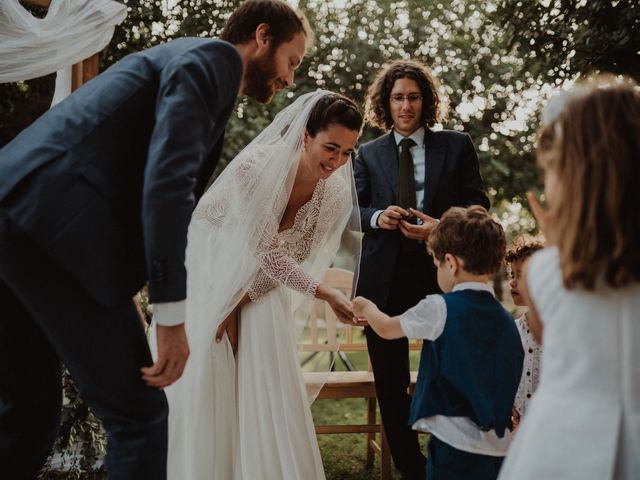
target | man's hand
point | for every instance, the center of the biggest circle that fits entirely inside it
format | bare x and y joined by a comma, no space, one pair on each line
173,351
230,325
418,232
391,216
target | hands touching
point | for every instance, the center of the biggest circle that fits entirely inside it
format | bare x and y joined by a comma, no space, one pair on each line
387,327
173,352
362,306
339,303
418,232
392,218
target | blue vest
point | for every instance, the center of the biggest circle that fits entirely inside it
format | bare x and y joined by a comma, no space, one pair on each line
473,369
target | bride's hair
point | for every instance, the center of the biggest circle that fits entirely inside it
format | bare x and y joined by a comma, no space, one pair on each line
331,109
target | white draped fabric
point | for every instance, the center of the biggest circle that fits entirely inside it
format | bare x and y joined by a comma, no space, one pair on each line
72,30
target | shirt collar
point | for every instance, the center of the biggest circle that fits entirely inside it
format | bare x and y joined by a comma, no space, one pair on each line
474,286
417,136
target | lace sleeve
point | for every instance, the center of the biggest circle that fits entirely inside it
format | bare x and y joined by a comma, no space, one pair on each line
278,268
280,260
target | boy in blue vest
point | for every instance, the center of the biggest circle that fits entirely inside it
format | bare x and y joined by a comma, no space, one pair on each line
471,358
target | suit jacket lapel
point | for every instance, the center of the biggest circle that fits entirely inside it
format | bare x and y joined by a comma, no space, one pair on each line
388,160
435,150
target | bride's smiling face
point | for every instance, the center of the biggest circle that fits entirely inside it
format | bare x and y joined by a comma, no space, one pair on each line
330,149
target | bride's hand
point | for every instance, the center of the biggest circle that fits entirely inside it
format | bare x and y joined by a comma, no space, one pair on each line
338,302
230,325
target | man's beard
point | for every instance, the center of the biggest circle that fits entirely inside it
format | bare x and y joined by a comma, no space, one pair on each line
260,77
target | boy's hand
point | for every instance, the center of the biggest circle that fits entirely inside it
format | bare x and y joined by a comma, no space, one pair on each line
361,306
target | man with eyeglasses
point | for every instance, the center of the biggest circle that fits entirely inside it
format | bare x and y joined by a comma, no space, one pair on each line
406,179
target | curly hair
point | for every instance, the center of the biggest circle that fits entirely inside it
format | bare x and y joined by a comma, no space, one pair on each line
377,109
472,235
522,250
591,146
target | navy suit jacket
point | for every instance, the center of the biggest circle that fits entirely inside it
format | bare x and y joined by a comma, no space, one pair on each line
105,182
452,178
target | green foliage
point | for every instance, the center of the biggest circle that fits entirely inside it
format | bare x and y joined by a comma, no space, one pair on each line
81,442
561,38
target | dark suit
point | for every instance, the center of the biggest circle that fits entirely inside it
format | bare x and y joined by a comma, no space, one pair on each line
395,277
95,199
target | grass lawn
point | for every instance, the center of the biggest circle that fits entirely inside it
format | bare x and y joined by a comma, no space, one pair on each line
344,455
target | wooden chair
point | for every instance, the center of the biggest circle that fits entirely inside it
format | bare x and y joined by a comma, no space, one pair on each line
323,336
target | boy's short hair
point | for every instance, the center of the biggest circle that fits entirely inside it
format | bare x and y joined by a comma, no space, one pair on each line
522,249
472,235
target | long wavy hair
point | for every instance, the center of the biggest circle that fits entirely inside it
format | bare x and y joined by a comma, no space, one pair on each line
377,108
592,146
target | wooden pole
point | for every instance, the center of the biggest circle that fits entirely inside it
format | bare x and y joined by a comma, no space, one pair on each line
84,71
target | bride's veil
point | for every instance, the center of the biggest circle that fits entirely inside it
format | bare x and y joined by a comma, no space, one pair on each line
233,225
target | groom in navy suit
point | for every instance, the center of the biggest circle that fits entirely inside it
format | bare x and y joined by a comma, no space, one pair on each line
406,179
95,200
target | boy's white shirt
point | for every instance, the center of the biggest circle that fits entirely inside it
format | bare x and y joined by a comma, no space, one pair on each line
426,320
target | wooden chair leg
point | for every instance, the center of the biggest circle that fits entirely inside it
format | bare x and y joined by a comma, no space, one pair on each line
385,456
371,437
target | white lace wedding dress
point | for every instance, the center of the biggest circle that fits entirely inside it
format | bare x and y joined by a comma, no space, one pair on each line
276,435
247,417
270,433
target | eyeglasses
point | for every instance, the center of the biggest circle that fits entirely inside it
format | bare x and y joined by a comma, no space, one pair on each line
399,99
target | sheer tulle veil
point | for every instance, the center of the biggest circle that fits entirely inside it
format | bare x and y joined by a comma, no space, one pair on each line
233,225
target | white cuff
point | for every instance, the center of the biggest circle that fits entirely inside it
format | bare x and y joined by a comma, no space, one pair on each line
170,314
374,219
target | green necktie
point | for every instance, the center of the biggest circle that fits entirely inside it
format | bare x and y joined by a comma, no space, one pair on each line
406,176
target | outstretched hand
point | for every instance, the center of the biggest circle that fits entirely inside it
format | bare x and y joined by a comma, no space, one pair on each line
418,232
173,352
361,307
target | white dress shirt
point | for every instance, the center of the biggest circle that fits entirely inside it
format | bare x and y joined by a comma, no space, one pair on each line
169,314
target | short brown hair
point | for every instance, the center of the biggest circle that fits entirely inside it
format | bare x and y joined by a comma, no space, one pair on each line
377,110
472,235
593,148
284,22
522,249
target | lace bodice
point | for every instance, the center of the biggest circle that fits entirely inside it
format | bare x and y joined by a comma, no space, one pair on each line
280,263
279,253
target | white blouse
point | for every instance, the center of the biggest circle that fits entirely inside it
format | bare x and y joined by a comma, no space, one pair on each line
530,366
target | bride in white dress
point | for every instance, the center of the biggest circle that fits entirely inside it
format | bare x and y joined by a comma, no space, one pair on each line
260,241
